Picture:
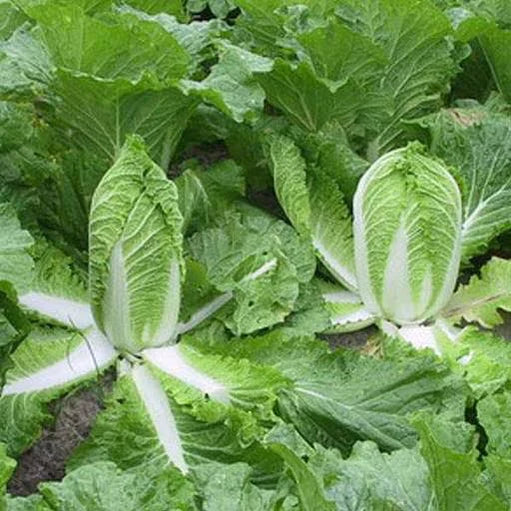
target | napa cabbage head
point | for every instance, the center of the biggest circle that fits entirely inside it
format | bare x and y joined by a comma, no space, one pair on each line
407,236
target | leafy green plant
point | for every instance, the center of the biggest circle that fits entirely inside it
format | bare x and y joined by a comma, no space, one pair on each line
201,201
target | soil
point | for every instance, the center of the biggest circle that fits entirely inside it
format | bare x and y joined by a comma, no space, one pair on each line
45,461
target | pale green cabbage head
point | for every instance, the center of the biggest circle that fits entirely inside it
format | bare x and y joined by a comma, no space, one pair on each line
407,232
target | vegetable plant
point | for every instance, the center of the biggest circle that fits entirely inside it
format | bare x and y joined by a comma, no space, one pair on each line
398,260
228,225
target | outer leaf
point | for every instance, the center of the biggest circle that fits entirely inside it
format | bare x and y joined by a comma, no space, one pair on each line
231,85
205,195
484,360
7,466
228,487
368,478
494,40
46,365
413,36
194,37
407,266
315,209
341,397
135,246
103,487
346,310
310,102
494,413
57,292
483,296
309,487
478,144
451,455
257,259
144,425
15,263
105,91
11,18
221,379
169,7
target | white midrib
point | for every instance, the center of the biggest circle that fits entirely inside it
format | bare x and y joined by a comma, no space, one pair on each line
94,353
71,313
158,408
210,308
171,361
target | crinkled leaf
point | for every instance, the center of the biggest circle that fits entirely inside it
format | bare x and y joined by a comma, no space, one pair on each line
413,37
7,466
231,85
368,478
194,37
146,423
478,144
341,397
315,207
260,261
136,252
454,472
481,299
228,487
16,265
494,414
104,487
103,92
483,358
204,195
11,18
48,363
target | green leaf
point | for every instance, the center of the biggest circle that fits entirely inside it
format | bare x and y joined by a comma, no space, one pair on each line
494,412
226,380
7,466
369,477
11,18
32,503
308,100
483,358
194,37
493,41
478,144
413,37
58,291
228,487
455,474
231,85
146,423
260,260
309,487
315,207
103,92
481,299
220,8
345,309
48,363
498,470
204,195
16,265
104,487
169,7
340,397
136,252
